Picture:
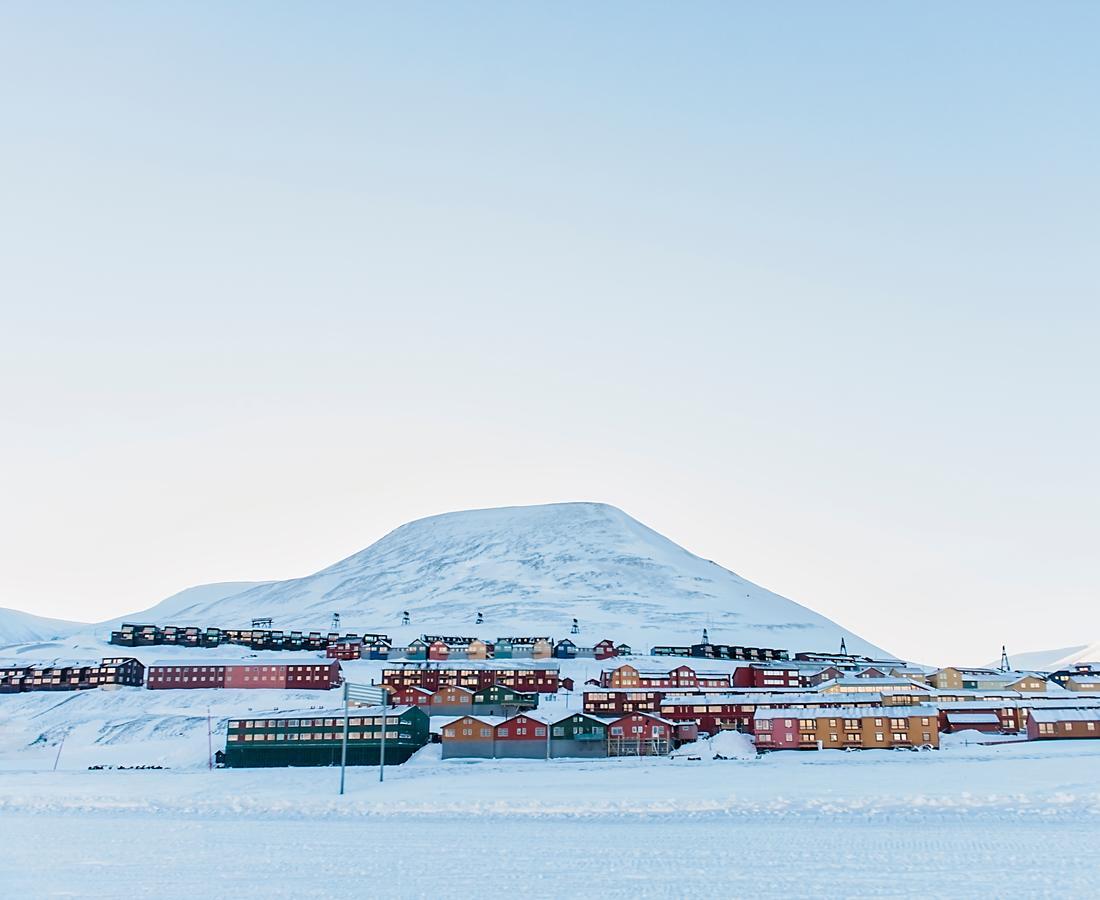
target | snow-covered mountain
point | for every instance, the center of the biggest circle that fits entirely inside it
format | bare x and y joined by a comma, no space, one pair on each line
18,627
1053,660
527,570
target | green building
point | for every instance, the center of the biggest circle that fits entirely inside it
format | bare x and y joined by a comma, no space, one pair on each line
315,738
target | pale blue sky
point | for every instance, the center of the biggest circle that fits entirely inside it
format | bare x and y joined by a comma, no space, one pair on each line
811,290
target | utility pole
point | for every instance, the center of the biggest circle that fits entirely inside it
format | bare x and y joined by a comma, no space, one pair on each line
57,758
344,742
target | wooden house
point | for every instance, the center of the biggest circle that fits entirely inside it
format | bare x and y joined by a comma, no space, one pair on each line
522,736
525,679
952,720
438,650
345,648
477,649
605,649
613,703
565,649
452,701
1082,683
623,650
379,648
629,676
410,695
1054,724
541,649
417,649
578,735
640,734
316,738
498,700
469,736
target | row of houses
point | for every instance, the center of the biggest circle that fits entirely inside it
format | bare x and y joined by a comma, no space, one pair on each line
135,635
531,735
494,700
525,679
110,672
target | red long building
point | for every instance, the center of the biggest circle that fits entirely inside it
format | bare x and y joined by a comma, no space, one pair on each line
312,675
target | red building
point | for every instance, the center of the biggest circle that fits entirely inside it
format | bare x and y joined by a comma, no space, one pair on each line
644,734
523,736
766,676
628,676
410,695
1051,724
612,703
315,675
345,648
438,650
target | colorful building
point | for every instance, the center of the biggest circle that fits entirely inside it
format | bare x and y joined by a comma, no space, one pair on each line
314,738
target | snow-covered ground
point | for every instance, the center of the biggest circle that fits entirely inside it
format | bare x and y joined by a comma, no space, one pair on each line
1014,820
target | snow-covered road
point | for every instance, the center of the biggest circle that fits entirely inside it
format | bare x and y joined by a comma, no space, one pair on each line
109,855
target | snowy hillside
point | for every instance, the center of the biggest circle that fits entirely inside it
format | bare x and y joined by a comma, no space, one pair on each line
202,595
1052,660
19,627
528,570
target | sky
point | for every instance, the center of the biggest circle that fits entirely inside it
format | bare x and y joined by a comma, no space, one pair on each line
809,288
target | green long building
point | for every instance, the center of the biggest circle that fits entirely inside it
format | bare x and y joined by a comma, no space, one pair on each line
315,737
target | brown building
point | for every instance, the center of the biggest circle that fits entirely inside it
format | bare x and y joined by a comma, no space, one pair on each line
874,728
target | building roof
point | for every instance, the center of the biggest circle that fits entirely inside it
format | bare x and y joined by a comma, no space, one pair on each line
852,681
1065,715
973,718
355,712
283,659
738,699
849,712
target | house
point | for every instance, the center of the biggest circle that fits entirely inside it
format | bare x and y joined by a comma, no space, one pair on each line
1077,669
628,676
623,650
640,734
498,700
417,649
667,650
410,695
870,672
565,649
523,736
729,651
541,649
1080,682
438,650
895,691
1053,724
316,738
379,648
478,649
118,671
255,672
451,701
829,673
763,675
345,648
846,728
578,735
605,649
469,736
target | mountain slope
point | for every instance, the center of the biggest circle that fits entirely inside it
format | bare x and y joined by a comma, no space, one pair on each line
529,570
18,627
1053,660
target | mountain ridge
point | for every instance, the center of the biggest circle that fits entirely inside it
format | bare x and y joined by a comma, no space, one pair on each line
525,568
